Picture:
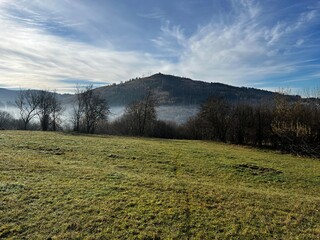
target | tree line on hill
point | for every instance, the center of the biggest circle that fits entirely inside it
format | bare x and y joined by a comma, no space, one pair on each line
285,125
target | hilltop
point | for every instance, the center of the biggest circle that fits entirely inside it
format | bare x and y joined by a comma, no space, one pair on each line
173,90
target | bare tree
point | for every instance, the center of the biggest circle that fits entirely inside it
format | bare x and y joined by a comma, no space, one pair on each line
141,115
95,109
262,122
89,108
295,126
49,110
242,124
6,120
215,114
311,93
56,113
27,103
77,109
44,109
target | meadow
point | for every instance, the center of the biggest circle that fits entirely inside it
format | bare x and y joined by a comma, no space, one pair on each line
65,186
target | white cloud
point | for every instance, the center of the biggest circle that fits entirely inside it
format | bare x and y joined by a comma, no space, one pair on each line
32,58
242,51
238,48
299,42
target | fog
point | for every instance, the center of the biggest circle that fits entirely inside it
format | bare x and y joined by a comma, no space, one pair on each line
178,114
12,110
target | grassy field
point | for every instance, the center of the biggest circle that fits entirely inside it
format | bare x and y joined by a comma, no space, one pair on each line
60,186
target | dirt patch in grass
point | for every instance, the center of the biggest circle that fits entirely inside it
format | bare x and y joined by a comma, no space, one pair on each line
257,170
43,149
11,187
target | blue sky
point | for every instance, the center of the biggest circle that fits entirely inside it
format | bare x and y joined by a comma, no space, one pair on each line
52,44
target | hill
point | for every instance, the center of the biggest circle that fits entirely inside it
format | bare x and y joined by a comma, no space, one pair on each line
178,98
172,90
59,186
7,97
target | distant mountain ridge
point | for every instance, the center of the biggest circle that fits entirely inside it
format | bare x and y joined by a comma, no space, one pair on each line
173,90
7,94
8,97
169,90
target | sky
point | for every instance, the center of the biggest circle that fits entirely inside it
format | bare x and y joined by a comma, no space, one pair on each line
57,44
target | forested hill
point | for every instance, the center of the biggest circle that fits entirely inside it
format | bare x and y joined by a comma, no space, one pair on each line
169,90
172,90
8,97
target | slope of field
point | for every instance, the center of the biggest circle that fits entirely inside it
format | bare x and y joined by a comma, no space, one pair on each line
59,186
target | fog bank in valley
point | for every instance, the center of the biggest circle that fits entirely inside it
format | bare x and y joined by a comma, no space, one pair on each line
177,114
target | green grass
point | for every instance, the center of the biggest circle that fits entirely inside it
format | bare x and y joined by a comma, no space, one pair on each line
61,186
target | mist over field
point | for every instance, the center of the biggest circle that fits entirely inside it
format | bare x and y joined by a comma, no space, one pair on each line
12,110
177,114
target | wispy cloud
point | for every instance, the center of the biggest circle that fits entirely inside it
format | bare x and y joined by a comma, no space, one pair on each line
44,43
155,13
32,57
244,49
